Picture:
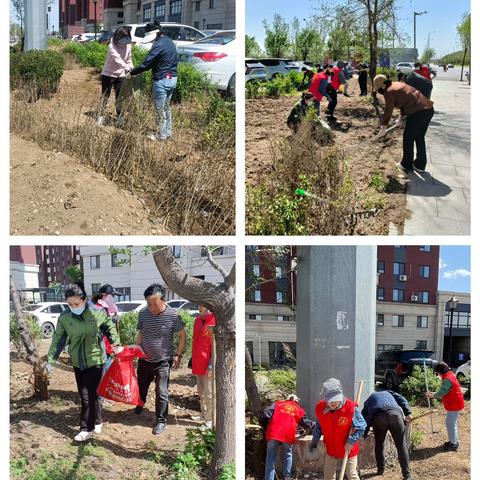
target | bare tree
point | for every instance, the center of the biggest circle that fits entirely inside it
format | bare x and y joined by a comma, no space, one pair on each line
220,299
40,377
19,9
251,388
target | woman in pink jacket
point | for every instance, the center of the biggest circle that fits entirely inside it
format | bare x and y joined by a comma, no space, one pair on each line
117,65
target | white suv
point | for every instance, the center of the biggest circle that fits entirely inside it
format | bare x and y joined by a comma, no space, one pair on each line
143,34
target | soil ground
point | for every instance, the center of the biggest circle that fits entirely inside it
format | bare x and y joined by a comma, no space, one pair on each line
125,449
60,196
266,123
428,461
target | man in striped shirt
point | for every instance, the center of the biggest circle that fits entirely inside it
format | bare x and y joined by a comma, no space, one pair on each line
157,323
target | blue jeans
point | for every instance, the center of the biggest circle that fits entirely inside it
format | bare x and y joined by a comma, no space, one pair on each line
452,428
162,96
272,447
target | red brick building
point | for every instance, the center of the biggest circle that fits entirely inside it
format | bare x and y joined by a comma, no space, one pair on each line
78,16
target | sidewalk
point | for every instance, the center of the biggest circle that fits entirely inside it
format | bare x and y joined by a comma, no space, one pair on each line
438,201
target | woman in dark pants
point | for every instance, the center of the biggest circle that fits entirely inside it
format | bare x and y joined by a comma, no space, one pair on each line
363,80
416,109
83,327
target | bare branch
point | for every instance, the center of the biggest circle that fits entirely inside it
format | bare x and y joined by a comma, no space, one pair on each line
214,263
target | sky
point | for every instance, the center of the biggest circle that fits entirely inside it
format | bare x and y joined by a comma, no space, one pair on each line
53,21
440,21
454,273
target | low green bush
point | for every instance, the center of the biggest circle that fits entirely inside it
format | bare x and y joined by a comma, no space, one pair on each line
228,473
219,120
389,72
36,71
190,82
413,388
90,54
276,87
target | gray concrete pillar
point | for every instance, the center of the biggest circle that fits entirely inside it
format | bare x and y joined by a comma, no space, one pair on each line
336,308
130,11
35,25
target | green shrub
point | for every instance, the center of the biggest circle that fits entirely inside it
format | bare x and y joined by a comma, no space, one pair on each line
413,388
228,473
33,329
128,328
389,72
188,320
190,82
219,123
90,54
377,182
416,440
56,42
36,71
275,384
254,89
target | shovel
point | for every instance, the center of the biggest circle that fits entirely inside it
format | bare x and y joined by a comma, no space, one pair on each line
426,386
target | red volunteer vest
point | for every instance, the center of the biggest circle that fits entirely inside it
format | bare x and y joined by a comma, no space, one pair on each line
335,83
336,428
425,72
315,85
453,400
202,344
283,425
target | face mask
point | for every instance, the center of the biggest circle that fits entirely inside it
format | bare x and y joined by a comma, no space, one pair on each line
112,308
124,41
77,311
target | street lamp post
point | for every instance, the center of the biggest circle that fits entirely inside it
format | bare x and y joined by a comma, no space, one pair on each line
95,17
451,306
415,28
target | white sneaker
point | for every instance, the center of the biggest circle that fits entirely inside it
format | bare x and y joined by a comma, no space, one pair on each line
100,121
83,436
152,137
98,428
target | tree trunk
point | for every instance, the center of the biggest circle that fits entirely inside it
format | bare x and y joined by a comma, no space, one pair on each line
220,299
40,383
253,396
463,63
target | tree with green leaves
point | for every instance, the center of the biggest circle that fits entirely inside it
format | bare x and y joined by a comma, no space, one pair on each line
427,55
464,33
277,41
74,273
252,48
305,40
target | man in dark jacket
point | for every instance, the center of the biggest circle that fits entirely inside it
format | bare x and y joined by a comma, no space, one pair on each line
162,60
418,82
388,411
299,111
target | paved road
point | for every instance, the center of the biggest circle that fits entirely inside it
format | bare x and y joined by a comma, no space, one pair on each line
438,201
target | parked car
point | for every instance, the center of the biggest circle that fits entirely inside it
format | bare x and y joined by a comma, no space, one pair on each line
143,34
104,37
451,66
277,66
254,71
83,37
180,304
47,314
127,306
215,55
463,372
393,366
405,67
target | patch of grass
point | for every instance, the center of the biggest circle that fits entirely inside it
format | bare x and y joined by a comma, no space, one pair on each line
18,466
416,440
228,473
57,401
94,450
377,182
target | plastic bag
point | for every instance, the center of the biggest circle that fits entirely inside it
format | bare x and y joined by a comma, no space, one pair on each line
120,383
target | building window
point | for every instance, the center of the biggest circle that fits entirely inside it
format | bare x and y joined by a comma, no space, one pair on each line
278,272
380,293
197,6
424,271
95,288
212,4
176,251
252,316
380,266
397,321
176,7
94,262
118,259
282,354
424,297
381,347
147,12
279,297
125,294
380,319
421,345
422,321
398,295
258,296
399,268
256,270
160,9
425,248
283,318
214,26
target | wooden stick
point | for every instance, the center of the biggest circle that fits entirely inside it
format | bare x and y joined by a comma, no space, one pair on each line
426,386
345,458
430,412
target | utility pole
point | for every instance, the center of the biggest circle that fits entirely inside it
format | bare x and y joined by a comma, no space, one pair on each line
35,26
415,29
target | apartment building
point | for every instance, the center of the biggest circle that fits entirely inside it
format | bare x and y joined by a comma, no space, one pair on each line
407,298
132,277
24,267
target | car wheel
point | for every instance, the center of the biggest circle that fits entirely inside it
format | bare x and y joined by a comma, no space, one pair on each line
48,329
389,383
231,87
461,378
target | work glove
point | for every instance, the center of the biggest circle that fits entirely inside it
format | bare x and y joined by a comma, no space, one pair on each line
313,446
134,71
381,133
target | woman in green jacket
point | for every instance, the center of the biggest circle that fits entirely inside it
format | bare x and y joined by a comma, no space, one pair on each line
83,327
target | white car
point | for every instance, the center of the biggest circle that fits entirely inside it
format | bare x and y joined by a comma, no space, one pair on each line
405,67
47,314
180,304
130,306
215,55
144,34
463,372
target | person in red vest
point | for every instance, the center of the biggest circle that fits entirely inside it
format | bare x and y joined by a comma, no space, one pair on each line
281,421
337,79
451,395
423,70
202,366
318,83
342,425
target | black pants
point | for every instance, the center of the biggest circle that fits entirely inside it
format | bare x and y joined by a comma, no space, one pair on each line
160,372
333,103
91,409
391,421
107,84
362,81
414,133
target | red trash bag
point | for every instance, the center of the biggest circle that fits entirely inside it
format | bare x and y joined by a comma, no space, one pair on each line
120,383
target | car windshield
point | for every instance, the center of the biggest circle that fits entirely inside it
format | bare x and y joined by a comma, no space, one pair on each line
127,307
221,38
416,355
